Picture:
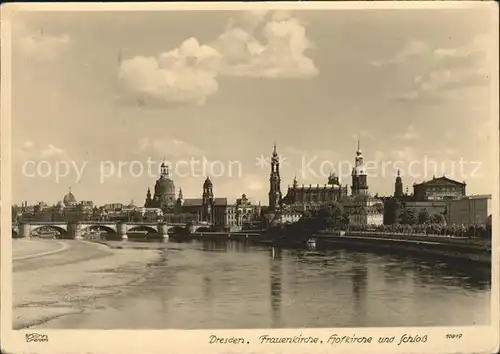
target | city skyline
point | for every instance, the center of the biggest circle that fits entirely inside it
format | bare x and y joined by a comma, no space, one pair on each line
98,98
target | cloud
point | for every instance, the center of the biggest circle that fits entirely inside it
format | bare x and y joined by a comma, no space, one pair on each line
36,44
188,74
412,49
184,74
29,151
410,134
280,55
167,148
52,151
27,144
443,70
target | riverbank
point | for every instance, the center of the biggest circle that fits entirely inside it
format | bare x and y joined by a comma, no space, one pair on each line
27,248
70,282
453,248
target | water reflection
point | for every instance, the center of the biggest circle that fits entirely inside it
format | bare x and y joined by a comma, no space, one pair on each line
275,285
203,284
425,271
215,245
359,281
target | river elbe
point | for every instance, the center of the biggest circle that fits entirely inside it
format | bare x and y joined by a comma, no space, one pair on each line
210,285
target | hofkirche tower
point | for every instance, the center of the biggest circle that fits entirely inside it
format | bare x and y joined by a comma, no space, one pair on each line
275,182
359,175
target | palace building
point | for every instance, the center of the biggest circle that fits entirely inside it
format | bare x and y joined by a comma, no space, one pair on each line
447,197
441,188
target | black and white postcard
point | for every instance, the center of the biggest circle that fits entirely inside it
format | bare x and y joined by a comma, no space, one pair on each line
274,177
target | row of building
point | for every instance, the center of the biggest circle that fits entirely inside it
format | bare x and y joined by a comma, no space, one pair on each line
440,195
164,204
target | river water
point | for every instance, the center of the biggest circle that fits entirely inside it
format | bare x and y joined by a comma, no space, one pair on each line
209,285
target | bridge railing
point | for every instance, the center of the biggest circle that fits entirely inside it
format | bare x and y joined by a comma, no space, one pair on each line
99,223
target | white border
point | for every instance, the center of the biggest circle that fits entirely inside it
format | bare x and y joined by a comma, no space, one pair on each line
478,339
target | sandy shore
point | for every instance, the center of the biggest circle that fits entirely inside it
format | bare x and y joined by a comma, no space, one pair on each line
23,248
71,281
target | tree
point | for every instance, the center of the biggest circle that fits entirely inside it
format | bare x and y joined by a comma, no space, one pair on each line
407,217
345,219
423,217
392,209
437,218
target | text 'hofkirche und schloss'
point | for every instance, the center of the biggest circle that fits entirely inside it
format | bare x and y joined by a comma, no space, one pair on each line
334,339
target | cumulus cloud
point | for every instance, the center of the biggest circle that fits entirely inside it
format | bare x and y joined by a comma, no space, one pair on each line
280,55
188,74
442,69
184,74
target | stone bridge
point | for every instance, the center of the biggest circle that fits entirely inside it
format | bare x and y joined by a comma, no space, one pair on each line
77,229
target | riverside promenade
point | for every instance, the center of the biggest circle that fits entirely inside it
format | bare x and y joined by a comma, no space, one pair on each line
53,278
459,248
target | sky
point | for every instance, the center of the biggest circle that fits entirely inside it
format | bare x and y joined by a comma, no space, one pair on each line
100,98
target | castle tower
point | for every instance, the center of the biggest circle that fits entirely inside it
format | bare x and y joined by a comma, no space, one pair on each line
275,182
359,175
398,186
207,200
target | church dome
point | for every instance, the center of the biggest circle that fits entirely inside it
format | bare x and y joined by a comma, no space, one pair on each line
69,199
164,185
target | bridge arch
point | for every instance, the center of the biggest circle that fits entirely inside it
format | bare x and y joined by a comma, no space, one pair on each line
106,228
148,228
176,229
201,228
62,231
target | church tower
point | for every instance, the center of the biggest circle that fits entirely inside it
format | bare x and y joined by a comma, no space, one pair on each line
148,201
359,175
179,202
207,200
398,186
274,182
